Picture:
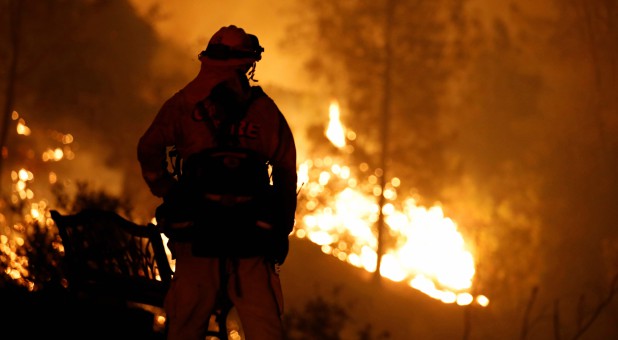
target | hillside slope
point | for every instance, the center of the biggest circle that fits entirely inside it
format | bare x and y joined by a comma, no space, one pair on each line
396,308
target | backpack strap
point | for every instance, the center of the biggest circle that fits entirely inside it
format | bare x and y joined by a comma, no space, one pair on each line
232,110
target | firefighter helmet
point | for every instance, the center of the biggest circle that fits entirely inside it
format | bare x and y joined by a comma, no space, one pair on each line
231,45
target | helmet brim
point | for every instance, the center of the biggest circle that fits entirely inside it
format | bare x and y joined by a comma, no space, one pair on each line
227,62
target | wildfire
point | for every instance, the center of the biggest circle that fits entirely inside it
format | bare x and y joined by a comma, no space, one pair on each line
339,212
29,211
429,254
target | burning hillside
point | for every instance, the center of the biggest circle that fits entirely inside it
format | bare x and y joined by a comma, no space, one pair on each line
338,211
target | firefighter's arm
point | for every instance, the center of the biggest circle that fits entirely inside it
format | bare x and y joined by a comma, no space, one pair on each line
284,182
152,148
285,177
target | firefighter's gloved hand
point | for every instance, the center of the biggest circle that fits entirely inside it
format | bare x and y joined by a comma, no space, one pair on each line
162,186
281,247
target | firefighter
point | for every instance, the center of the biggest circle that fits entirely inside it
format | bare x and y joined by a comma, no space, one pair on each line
250,282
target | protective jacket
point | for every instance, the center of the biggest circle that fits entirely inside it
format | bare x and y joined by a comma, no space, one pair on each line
263,129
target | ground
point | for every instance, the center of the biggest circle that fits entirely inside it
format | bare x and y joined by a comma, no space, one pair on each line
54,314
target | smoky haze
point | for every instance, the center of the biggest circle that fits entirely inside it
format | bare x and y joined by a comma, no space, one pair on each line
509,118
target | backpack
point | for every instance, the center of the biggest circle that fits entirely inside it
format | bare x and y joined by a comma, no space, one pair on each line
228,187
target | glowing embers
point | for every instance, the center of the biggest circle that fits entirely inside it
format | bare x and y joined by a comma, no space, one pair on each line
20,179
23,209
59,153
21,127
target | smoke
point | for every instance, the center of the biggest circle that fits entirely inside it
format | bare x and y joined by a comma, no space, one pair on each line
535,122
190,24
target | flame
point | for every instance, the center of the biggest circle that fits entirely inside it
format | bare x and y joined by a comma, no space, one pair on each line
22,128
341,209
335,131
59,153
52,155
12,241
13,229
340,212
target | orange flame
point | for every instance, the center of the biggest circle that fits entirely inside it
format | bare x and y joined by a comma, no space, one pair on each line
430,255
12,232
335,131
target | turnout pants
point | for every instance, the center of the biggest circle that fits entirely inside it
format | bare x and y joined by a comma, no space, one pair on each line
252,286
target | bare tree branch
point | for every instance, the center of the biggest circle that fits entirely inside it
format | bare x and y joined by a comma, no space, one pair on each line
595,314
557,319
15,8
526,322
